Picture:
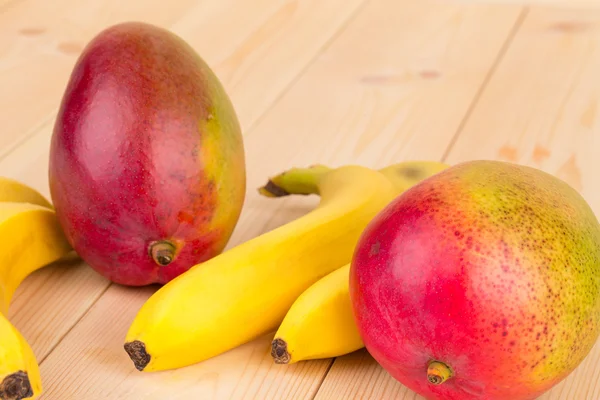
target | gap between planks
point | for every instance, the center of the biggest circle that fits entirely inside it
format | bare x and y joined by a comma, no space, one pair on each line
509,39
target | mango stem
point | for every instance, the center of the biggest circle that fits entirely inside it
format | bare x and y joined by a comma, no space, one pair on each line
162,252
303,181
438,372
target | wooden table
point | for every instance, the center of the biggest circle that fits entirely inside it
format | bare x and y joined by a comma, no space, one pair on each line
332,81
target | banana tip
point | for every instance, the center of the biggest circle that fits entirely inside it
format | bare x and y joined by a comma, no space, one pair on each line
279,351
16,386
272,190
138,354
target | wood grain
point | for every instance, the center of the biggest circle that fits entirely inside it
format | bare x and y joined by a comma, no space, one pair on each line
353,377
545,115
272,43
347,115
539,109
51,301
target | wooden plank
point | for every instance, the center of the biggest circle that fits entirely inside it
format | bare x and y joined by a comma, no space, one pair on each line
43,316
544,115
359,102
539,109
357,376
394,86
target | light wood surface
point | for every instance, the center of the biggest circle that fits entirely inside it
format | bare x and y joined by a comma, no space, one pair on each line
330,81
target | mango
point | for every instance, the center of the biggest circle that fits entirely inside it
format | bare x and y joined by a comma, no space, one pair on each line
147,166
480,282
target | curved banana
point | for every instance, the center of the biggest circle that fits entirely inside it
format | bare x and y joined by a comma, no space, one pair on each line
320,323
246,291
31,239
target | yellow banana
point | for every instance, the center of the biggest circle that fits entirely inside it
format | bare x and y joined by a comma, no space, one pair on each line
19,371
31,239
17,192
320,323
246,291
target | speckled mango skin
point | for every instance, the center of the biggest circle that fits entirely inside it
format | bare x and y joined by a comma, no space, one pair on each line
489,267
146,147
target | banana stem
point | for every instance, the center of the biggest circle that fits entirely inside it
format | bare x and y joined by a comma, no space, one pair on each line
303,181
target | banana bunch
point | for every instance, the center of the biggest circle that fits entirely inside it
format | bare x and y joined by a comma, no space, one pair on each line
290,274
31,239
320,323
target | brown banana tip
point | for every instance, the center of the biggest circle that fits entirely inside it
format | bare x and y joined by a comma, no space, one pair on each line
272,190
16,387
138,354
279,351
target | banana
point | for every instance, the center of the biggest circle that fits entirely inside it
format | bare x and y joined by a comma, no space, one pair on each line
31,238
246,291
320,323
17,192
19,371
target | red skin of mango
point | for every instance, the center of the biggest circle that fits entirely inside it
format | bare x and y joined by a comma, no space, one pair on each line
481,269
146,147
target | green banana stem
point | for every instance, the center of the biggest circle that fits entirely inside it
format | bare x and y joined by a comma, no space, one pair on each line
295,181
